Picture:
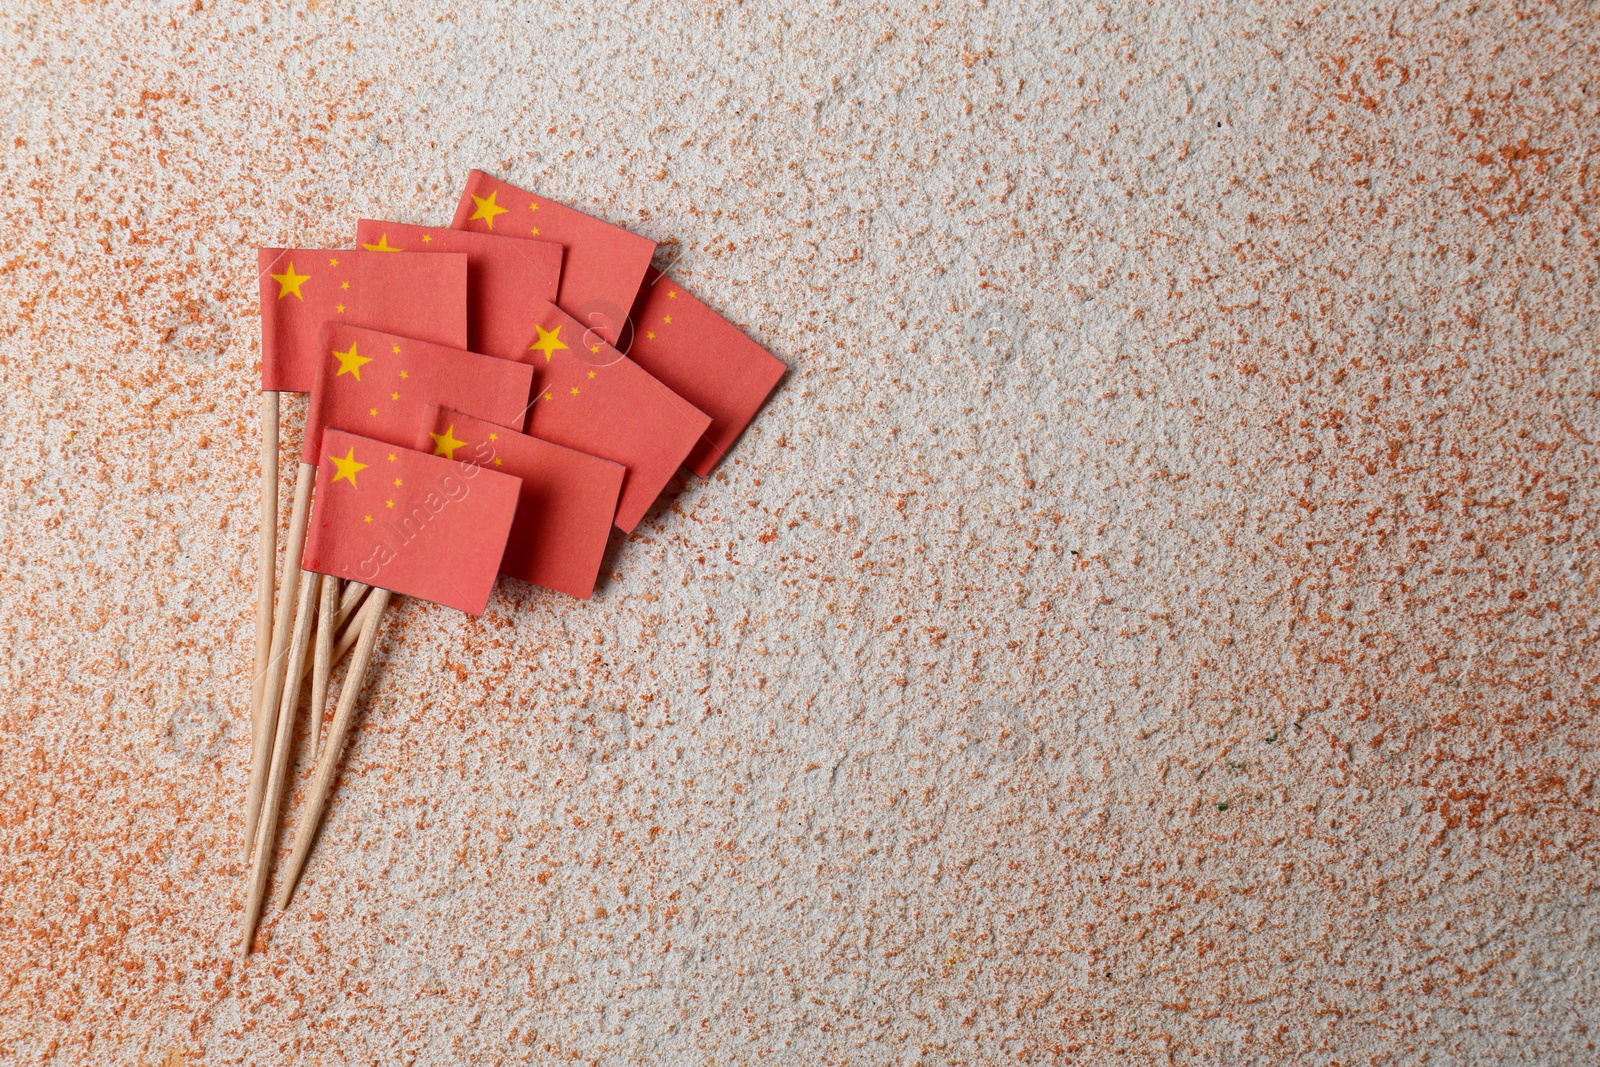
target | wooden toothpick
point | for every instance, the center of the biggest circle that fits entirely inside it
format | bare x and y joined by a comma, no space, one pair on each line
272,689
347,634
317,799
322,663
354,592
266,565
283,737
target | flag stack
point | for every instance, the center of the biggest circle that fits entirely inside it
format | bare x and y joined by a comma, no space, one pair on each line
486,399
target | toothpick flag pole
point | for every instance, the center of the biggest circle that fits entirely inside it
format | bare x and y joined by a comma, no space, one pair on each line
317,800
354,593
266,565
322,664
273,688
353,631
347,634
282,739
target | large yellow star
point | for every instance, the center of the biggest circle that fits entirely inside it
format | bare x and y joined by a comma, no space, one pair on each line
549,342
348,468
487,209
290,282
350,362
445,444
383,245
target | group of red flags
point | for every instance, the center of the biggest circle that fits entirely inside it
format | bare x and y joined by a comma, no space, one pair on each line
489,398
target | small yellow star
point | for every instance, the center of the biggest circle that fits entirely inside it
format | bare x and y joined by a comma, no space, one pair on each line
498,462
427,238
533,205
534,231
383,245
574,390
445,444
650,335
373,412
394,396
403,374
391,457
388,503
398,483
547,396
487,209
339,308
667,320
333,262
290,282
549,342
494,437
595,349
395,349
369,518
344,285
347,468
672,294
591,374
350,362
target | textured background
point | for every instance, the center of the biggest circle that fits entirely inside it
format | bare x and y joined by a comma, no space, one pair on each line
1154,622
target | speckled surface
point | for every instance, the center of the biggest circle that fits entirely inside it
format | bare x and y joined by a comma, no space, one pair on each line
1154,622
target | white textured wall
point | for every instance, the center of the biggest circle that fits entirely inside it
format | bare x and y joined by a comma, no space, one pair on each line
1154,622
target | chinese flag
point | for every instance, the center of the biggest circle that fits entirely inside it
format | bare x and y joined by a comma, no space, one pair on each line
589,396
301,288
409,522
380,386
703,358
567,501
504,276
604,263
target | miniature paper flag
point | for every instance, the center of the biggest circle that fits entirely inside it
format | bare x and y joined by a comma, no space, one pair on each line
604,263
421,296
504,275
380,385
567,501
590,397
703,358
409,522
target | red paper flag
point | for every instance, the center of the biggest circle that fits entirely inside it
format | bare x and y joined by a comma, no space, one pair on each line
409,522
380,386
421,296
703,358
589,396
567,501
604,263
504,274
